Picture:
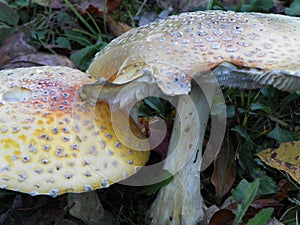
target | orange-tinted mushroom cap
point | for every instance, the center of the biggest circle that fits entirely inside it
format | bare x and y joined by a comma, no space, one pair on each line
51,142
261,49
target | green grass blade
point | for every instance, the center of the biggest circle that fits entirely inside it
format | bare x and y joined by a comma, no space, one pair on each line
247,201
80,17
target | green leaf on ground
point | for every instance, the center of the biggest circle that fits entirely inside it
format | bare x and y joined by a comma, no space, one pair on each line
294,9
8,15
262,217
262,4
280,135
244,194
241,131
266,186
5,33
83,57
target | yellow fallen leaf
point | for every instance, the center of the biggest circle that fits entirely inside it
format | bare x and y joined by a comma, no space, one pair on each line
286,158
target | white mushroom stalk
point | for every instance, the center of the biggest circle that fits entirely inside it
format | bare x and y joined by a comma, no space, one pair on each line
245,50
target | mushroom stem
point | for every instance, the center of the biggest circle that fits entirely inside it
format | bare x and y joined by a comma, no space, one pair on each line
180,202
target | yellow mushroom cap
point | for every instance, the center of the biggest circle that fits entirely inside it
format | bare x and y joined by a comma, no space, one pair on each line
265,46
51,142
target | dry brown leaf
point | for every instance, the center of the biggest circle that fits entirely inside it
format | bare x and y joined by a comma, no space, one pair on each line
98,6
224,170
286,158
117,28
15,45
39,59
222,217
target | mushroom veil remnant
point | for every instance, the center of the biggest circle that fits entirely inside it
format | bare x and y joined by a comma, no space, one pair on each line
190,55
52,142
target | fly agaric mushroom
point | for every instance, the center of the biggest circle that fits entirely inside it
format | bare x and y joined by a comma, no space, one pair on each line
245,50
52,142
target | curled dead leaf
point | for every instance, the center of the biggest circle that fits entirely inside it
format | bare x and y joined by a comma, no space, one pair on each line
39,59
224,173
